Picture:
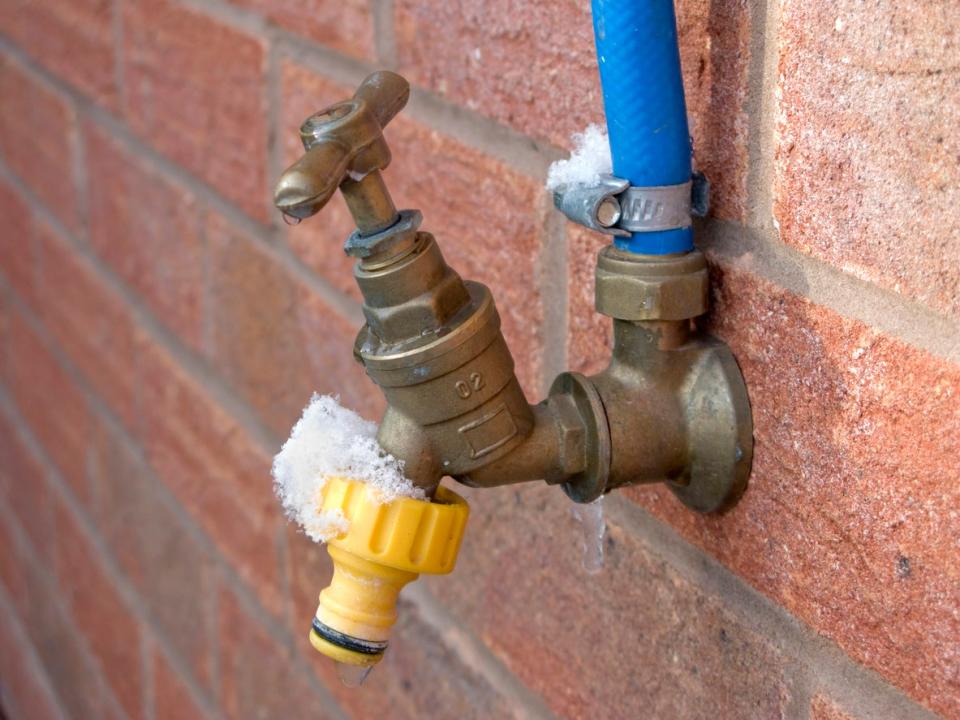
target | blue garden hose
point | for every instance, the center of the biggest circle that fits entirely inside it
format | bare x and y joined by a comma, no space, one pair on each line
646,112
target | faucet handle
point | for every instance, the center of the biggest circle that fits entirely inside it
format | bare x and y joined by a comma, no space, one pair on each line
344,147
386,94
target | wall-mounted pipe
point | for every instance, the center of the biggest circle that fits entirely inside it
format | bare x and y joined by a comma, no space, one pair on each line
646,112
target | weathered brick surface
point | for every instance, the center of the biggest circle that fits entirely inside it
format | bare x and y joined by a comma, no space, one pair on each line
195,92
273,338
71,670
714,55
346,25
99,612
160,556
37,136
328,340
87,320
506,60
589,334
825,709
853,491
16,244
15,572
636,640
395,688
256,677
172,699
213,467
148,230
310,570
256,332
852,507
51,403
5,311
23,692
533,66
71,38
867,175
23,490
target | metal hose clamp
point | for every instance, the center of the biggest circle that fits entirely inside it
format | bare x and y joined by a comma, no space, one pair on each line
614,207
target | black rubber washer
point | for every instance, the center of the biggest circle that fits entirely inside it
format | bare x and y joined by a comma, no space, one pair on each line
366,647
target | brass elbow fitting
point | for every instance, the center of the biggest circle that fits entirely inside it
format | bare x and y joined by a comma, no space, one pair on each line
671,406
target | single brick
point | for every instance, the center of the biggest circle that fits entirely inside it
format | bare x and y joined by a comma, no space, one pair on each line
37,136
157,552
148,230
172,699
71,38
273,339
589,334
23,489
852,492
24,690
346,25
195,91
51,403
578,639
258,677
89,322
822,708
98,611
534,68
866,165
318,241
214,468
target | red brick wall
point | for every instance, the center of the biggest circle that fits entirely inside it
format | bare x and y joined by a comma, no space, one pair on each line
160,330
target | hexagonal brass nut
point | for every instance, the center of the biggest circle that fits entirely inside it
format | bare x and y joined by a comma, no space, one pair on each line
427,311
573,437
648,287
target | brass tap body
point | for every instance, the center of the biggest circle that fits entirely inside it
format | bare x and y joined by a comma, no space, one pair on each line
670,407
433,345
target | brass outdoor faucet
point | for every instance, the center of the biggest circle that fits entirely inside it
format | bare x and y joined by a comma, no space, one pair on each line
671,406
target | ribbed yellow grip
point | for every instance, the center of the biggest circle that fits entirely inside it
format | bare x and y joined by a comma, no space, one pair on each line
413,535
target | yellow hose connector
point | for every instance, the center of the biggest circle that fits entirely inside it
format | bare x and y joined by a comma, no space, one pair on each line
385,547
